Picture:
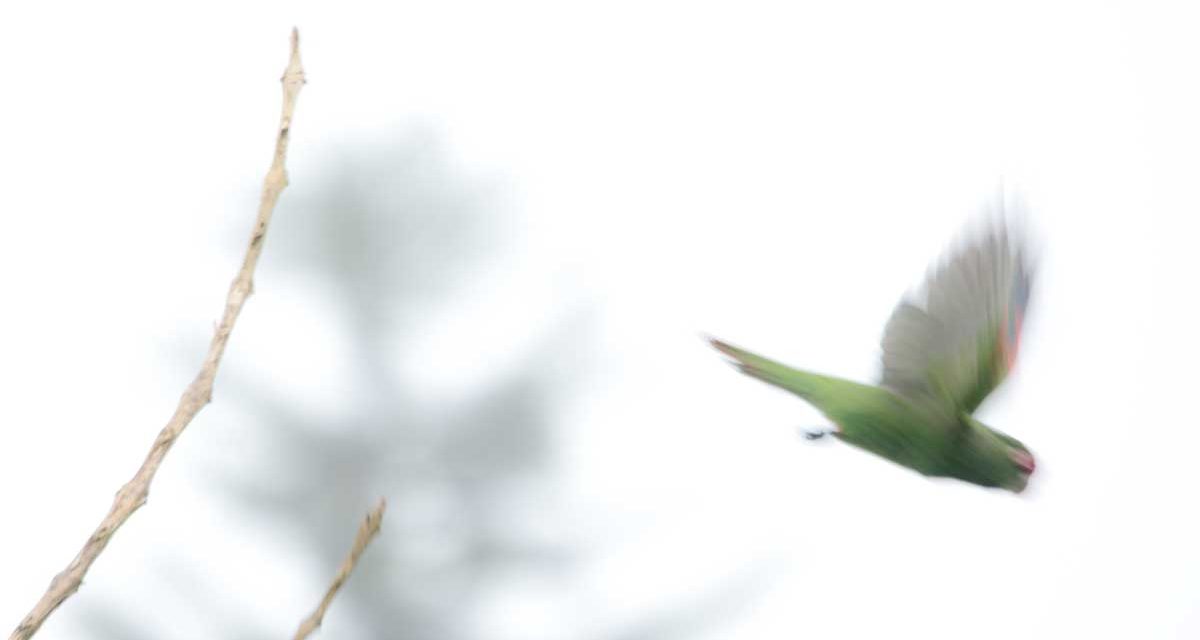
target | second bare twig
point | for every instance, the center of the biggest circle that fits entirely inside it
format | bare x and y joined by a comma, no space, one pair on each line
366,531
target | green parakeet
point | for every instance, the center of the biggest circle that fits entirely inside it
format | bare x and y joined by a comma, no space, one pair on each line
944,351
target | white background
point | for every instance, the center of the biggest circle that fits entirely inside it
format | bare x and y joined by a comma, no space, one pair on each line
642,174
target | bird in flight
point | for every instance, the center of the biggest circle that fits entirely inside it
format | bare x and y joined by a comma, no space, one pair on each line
945,348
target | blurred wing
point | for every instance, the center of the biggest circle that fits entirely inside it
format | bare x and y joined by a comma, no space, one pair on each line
961,342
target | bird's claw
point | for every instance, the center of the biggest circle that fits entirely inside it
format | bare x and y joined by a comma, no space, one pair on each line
816,434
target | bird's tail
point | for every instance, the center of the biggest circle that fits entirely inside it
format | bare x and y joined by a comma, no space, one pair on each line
810,386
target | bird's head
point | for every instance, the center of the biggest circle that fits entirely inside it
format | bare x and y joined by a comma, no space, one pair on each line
994,459
1021,462
1025,465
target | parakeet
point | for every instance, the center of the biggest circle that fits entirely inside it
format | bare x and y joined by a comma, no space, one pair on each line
945,348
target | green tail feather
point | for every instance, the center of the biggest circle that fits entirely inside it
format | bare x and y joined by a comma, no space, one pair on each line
810,386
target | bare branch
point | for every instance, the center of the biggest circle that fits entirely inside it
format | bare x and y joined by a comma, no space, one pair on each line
366,532
199,393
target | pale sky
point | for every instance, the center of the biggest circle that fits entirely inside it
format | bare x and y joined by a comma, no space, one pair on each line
640,174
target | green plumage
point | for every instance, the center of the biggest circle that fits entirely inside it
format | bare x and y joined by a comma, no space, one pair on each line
943,354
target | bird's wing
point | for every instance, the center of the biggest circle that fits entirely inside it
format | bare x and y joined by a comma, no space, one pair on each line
958,341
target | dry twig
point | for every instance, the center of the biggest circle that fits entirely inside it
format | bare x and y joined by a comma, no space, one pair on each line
366,531
199,392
